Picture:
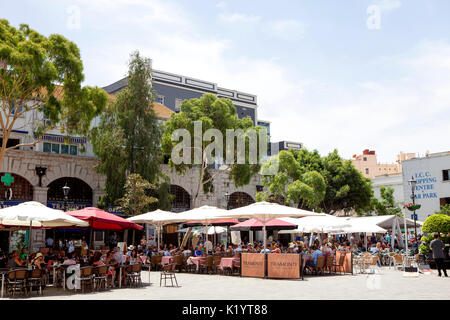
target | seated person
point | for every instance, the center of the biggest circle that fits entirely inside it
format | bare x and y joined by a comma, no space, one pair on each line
15,260
70,260
198,252
316,254
97,261
276,249
186,252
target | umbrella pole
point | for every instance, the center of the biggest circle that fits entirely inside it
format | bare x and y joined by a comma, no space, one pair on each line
264,235
134,237
30,238
365,239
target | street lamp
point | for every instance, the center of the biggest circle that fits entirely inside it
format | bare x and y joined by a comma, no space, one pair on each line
66,190
413,184
227,198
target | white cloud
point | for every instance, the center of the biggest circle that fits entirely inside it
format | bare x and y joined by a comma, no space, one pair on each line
288,29
388,5
407,111
239,18
221,4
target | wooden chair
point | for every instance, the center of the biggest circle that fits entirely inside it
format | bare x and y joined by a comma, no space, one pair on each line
178,260
329,264
168,272
339,265
320,265
207,266
86,278
134,275
35,280
17,281
156,261
100,277
398,260
373,263
216,264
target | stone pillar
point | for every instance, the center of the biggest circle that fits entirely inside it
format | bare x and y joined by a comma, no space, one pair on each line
40,194
96,195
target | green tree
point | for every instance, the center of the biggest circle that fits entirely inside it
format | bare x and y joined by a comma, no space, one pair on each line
136,198
386,206
128,138
212,113
44,75
329,183
437,223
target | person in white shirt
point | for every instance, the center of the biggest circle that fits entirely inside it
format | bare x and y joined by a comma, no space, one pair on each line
70,260
118,256
71,247
49,242
208,246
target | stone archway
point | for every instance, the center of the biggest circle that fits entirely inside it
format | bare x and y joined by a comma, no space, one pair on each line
80,194
239,199
14,187
182,199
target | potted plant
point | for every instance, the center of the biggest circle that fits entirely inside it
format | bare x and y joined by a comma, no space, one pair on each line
412,206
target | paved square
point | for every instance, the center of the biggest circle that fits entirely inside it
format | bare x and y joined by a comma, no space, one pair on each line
388,285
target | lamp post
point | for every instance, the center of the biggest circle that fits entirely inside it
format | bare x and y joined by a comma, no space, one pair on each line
413,184
227,198
66,190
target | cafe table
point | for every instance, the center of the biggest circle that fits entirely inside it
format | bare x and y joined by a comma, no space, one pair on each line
228,263
166,260
196,261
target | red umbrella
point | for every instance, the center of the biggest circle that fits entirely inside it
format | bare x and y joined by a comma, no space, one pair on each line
253,224
225,222
101,220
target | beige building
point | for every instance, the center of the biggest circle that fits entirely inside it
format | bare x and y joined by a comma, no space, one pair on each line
368,165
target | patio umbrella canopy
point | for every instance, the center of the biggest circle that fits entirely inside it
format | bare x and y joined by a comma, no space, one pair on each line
325,224
209,230
254,225
225,222
157,218
265,211
34,214
38,215
101,220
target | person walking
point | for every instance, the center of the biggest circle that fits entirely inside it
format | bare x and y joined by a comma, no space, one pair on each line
437,246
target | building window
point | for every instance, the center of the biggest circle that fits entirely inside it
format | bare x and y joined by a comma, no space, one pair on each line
446,175
55,148
178,105
64,149
160,99
60,148
367,171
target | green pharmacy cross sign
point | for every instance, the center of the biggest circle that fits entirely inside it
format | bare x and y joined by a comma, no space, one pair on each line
7,179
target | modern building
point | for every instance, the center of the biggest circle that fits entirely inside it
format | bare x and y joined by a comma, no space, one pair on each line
276,147
394,181
432,174
172,89
368,165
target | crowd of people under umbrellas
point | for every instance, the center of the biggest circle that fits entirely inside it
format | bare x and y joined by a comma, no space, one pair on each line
65,253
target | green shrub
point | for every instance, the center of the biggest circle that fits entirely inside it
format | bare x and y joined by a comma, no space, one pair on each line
437,223
424,249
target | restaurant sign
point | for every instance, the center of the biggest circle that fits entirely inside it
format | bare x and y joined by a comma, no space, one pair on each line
5,204
283,266
252,265
70,205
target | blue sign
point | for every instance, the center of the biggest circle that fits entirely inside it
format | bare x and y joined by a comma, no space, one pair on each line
70,205
414,216
5,204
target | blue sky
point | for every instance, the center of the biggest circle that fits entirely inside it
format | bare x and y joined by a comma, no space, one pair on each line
322,76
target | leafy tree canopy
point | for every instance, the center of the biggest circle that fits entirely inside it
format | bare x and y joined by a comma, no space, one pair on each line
329,183
128,137
437,223
136,198
387,205
43,74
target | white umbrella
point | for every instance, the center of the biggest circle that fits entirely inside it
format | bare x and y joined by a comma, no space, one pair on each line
35,214
265,211
158,218
204,215
324,224
210,230
365,226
